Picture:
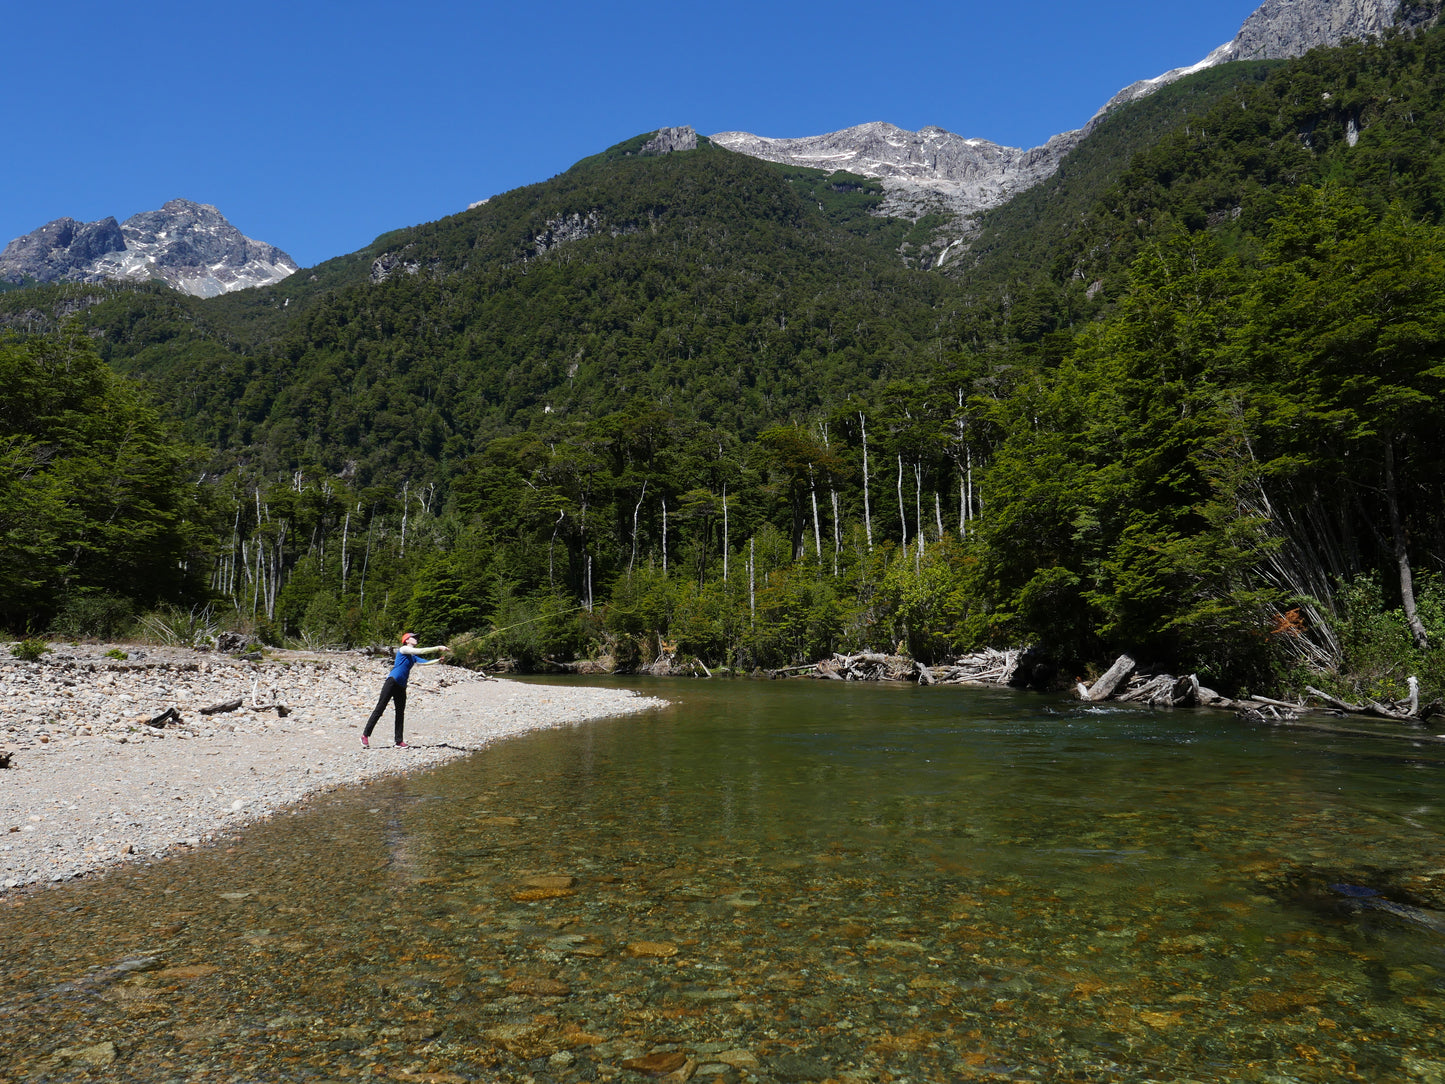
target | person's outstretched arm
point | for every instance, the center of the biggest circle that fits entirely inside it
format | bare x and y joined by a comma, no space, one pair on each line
407,649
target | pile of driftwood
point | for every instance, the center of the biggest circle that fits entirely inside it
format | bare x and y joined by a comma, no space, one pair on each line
980,668
866,666
1123,682
988,667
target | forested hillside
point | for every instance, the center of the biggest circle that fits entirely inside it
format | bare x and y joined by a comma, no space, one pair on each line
1216,152
1181,400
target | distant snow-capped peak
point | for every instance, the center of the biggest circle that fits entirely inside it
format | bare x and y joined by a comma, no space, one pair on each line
190,246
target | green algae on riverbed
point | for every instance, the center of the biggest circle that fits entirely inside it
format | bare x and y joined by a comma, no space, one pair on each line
796,883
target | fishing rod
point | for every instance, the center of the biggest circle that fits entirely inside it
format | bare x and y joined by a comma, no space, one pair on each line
529,621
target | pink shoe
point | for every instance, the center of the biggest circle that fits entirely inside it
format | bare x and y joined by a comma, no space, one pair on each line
402,745
365,742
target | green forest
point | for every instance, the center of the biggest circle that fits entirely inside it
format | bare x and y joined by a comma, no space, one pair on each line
1182,400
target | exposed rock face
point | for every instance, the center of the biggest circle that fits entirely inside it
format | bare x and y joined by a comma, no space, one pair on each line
388,263
190,246
565,228
668,140
921,170
965,174
1286,28
50,251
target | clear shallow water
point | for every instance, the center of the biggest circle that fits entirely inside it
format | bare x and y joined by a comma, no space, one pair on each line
784,881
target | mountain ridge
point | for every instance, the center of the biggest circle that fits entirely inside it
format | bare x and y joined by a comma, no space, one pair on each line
1282,29
934,169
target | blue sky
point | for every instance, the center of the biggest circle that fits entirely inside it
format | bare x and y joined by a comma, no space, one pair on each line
317,125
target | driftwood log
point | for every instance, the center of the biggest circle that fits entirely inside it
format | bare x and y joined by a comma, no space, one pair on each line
1335,702
1407,710
1385,711
219,709
1105,686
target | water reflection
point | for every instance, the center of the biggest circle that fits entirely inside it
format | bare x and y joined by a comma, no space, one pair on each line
784,881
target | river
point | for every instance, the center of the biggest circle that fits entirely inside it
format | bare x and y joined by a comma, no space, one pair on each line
788,881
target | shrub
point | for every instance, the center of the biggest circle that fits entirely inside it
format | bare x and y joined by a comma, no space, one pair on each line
30,649
324,623
529,629
1378,651
174,627
97,616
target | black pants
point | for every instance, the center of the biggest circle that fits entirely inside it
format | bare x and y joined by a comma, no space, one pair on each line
394,691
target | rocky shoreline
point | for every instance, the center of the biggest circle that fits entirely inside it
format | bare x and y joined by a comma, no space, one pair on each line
112,759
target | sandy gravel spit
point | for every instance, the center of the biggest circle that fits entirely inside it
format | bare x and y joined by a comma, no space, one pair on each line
94,780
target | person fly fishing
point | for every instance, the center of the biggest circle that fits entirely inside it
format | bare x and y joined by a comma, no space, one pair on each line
394,687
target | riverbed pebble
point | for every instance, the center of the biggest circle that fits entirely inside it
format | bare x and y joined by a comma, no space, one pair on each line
92,782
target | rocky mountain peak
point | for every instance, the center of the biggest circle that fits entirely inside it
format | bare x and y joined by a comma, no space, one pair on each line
190,246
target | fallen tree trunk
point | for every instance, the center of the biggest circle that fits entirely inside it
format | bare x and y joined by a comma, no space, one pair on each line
1374,707
1385,711
1334,701
1101,689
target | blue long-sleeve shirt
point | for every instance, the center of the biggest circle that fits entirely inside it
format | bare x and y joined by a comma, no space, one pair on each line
406,658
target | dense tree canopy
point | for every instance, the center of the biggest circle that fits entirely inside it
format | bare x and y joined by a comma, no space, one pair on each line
94,494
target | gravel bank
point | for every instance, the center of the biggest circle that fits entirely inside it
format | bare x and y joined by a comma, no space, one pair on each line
92,782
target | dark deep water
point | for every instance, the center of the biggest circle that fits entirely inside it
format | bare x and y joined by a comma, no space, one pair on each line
784,881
